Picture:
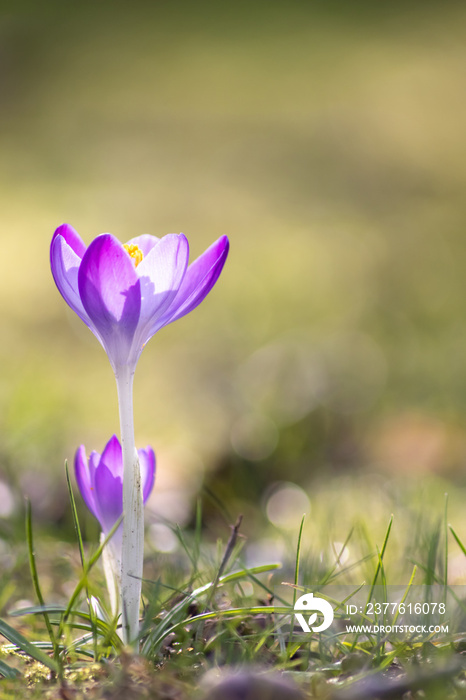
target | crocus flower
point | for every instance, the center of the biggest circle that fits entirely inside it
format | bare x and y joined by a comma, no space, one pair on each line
126,293
100,480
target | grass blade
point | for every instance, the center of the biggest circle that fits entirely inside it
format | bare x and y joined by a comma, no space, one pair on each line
36,583
377,570
445,565
380,559
405,595
296,571
298,557
75,515
458,541
102,627
226,556
81,548
27,647
337,563
7,671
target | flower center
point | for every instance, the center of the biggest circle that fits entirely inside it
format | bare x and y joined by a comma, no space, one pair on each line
134,252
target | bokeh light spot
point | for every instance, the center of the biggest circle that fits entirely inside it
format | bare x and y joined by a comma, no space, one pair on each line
254,436
287,504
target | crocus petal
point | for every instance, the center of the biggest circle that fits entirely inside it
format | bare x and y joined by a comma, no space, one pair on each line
147,466
83,479
145,242
94,461
161,274
110,292
112,457
109,497
65,264
200,277
72,238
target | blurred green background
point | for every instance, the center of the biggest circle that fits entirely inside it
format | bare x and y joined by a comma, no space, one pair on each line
328,141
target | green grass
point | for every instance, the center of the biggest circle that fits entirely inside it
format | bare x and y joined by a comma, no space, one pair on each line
209,610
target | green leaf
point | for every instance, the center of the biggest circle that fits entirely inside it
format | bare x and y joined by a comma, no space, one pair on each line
26,647
7,671
458,541
35,580
75,515
38,609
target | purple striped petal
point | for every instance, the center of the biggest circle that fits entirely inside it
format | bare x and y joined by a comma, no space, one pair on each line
161,274
200,277
94,459
110,292
83,478
65,264
147,466
112,457
72,238
109,497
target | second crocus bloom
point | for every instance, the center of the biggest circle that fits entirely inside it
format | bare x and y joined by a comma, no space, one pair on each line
100,481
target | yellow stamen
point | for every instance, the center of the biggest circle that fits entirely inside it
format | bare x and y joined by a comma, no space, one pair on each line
134,252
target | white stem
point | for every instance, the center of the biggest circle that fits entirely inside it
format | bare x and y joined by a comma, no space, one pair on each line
111,561
132,552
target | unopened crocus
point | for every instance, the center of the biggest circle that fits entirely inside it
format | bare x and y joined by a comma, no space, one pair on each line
100,480
125,294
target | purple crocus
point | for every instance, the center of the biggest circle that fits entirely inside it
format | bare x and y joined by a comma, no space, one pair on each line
126,293
100,480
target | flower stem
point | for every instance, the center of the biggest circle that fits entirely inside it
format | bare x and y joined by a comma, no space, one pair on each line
132,552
